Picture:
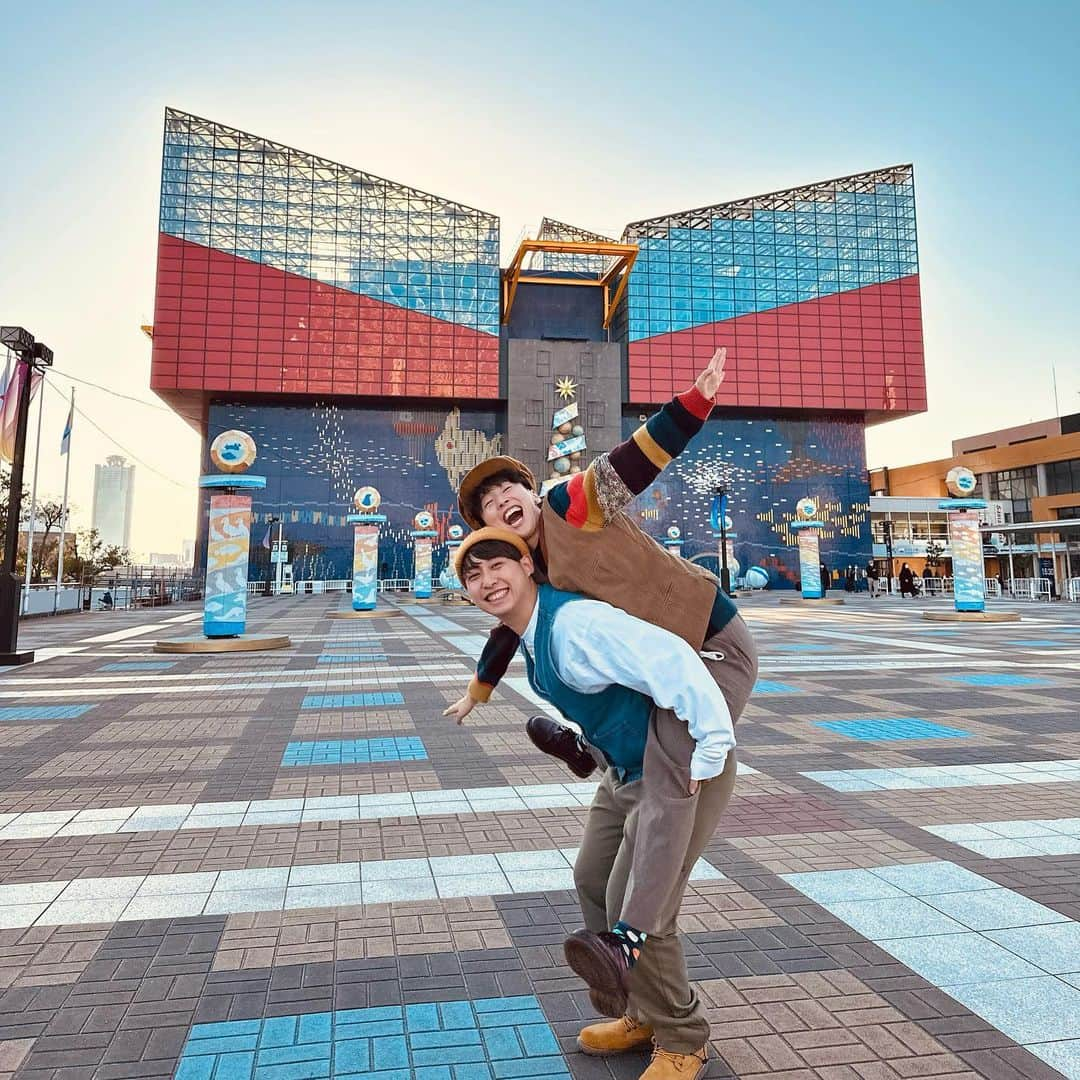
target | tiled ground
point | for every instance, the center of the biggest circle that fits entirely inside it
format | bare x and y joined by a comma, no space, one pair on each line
289,865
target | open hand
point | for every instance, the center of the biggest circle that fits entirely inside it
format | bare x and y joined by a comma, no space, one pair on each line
460,709
708,382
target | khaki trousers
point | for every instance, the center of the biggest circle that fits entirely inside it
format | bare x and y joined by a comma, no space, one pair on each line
642,839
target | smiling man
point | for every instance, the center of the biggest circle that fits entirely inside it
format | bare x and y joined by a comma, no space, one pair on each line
646,701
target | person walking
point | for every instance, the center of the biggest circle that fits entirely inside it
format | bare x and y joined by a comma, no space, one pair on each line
907,581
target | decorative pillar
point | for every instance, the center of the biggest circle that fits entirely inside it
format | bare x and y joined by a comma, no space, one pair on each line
423,532
674,540
808,529
965,540
449,579
229,536
365,568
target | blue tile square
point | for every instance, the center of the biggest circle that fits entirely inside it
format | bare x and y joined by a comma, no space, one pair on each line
421,1018
237,1067
352,701
952,959
826,886
926,879
315,1027
43,712
1026,1010
1055,947
993,909
353,751
502,1042
354,1055
390,1052
767,686
892,729
999,680
423,1041
351,658
881,919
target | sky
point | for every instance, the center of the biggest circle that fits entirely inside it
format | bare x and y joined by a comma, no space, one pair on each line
592,113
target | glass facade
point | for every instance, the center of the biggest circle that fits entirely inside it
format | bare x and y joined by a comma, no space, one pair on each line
1018,486
281,271
814,291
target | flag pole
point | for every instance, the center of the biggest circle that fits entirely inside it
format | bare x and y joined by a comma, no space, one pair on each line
66,442
31,521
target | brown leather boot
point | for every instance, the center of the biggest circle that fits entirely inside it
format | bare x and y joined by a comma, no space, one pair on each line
614,1037
666,1065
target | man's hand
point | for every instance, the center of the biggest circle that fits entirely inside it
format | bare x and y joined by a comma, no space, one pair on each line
694,785
461,708
708,382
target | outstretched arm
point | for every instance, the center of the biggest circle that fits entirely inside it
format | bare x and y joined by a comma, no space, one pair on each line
589,500
495,658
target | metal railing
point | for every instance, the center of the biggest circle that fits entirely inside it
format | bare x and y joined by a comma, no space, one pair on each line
1028,588
1072,590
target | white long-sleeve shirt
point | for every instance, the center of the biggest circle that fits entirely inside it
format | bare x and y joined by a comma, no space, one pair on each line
595,645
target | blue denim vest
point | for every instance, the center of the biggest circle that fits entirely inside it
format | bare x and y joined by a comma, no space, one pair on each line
615,720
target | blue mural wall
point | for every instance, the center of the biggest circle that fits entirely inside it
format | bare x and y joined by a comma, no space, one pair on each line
315,456
767,466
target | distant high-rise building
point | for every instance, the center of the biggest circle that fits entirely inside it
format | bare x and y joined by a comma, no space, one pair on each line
114,491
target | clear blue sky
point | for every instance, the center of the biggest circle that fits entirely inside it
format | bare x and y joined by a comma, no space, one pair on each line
594,113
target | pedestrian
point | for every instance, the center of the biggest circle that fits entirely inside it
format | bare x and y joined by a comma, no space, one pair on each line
825,582
907,581
873,574
665,727
850,579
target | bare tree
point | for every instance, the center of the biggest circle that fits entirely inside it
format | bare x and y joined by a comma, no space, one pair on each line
49,515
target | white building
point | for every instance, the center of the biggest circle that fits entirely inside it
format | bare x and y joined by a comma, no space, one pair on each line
114,493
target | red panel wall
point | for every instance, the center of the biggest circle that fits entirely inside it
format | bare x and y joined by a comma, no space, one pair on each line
223,324
859,350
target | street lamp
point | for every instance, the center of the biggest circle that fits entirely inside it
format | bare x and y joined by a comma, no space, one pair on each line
719,524
31,356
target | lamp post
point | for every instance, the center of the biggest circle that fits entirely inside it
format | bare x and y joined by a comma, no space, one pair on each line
719,523
32,356
886,528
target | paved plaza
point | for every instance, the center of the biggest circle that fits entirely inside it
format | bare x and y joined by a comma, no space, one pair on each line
288,865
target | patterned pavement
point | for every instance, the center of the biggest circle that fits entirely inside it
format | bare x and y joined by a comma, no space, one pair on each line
287,865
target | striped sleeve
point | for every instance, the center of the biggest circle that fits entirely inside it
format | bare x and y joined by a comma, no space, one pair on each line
590,499
495,658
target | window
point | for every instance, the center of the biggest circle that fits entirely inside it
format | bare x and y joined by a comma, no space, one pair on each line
588,365
596,414
1018,486
543,363
1063,477
534,413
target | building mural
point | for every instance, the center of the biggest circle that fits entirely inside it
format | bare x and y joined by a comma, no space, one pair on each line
767,466
314,458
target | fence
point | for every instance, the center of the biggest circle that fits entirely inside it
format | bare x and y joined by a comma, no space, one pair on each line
1072,590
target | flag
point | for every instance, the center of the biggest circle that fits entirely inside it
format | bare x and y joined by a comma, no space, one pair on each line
65,439
266,538
9,410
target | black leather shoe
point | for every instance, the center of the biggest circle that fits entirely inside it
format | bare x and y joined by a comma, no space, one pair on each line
600,961
560,742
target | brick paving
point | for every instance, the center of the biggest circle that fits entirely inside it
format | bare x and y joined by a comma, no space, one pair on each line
476,983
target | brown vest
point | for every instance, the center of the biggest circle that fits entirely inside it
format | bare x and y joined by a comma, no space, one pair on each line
624,567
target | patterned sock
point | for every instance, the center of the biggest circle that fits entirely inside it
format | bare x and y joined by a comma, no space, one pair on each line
630,941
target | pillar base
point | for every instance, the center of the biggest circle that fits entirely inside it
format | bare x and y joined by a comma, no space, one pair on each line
223,645
803,602
15,659
377,613
971,616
